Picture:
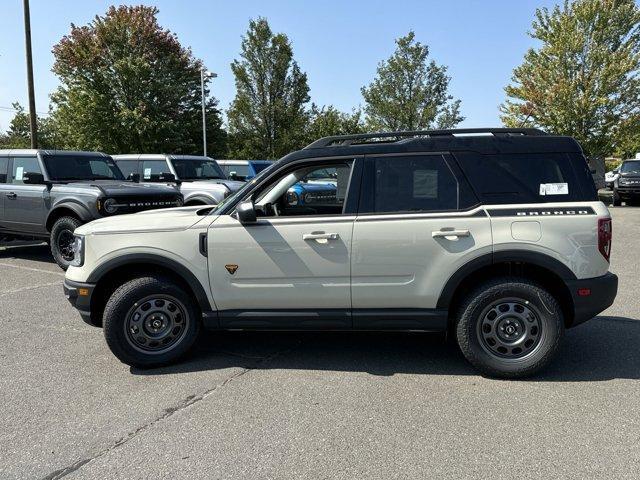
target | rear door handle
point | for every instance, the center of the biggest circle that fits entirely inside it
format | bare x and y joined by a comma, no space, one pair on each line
12,195
450,233
320,236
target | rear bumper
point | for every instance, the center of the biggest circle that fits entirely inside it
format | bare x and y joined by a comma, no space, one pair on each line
602,290
79,295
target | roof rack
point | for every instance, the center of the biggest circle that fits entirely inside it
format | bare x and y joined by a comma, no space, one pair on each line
345,140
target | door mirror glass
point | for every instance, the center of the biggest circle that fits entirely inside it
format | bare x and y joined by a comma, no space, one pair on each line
32,178
246,212
166,177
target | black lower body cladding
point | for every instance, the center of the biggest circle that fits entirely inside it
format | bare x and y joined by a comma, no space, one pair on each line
592,296
79,295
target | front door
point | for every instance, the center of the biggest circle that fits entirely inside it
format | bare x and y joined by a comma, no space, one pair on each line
415,229
290,268
24,205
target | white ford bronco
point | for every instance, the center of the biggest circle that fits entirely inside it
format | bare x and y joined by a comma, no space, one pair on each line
494,236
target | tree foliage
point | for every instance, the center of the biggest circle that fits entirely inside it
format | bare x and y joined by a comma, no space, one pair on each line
268,117
328,120
19,133
410,92
127,85
583,78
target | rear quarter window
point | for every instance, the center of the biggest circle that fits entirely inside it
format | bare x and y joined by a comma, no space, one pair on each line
528,177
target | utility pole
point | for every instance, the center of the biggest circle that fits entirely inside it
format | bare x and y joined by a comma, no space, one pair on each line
204,74
33,122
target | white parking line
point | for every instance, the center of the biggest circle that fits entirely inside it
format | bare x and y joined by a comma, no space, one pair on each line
31,287
31,269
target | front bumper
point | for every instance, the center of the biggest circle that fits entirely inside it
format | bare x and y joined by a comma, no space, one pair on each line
628,191
79,295
602,293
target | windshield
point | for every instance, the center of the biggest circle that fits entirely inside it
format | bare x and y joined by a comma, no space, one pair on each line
243,190
197,169
630,167
81,167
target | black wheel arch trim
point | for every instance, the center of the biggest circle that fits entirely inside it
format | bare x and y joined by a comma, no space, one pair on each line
80,210
153,259
534,258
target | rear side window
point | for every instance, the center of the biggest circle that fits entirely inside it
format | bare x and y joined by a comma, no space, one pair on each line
23,165
526,178
414,184
3,169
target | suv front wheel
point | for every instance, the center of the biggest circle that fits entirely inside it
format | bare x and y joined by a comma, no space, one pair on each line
62,241
150,321
509,328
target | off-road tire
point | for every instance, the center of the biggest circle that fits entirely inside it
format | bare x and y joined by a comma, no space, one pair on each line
617,201
62,226
131,296
475,311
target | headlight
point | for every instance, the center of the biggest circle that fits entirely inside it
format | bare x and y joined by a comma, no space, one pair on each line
292,198
110,205
78,251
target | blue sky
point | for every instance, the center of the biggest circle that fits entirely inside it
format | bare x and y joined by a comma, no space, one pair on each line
338,43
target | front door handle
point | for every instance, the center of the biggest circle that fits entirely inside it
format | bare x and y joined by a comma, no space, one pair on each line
320,236
12,195
450,233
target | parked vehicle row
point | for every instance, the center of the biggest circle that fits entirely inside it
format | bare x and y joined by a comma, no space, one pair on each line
625,182
494,236
48,194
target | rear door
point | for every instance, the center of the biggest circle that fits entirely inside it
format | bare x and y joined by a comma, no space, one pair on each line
4,161
24,205
415,228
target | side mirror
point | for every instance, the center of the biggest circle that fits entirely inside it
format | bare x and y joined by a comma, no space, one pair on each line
167,177
33,178
246,212
134,177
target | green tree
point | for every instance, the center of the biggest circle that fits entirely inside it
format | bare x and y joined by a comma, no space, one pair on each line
268,117
583,78
19,135
127,85
410,92
328,120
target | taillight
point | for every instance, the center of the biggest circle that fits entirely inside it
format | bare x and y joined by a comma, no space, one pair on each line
604,237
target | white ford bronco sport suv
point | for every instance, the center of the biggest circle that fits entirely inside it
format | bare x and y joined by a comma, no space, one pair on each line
495,236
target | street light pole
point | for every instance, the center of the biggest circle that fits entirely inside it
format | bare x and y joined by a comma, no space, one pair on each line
204,74
32,99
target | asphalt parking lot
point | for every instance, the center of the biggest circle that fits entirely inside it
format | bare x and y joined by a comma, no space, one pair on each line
310,405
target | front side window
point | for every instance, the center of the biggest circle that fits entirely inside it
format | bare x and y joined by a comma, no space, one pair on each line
154,170
3,169
128,167
239,172
197,169
22,166
305,191
414,184
81,167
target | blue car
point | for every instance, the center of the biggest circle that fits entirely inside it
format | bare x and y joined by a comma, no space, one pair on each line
311,193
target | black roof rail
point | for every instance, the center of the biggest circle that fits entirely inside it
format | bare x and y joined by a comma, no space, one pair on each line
345,140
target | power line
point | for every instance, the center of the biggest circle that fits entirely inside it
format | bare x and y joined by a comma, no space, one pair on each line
11,109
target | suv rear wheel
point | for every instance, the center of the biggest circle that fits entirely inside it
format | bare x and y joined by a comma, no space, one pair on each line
61,240
150,321
509,328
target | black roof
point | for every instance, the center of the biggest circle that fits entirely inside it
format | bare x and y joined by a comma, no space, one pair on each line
483,141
